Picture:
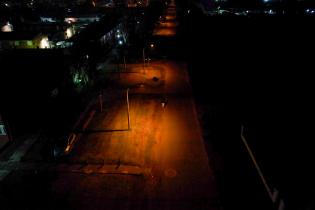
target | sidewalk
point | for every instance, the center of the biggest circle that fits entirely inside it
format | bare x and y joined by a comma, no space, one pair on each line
12,159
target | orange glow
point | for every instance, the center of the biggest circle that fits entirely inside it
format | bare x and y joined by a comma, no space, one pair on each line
165,32
168,24
167,27
170,17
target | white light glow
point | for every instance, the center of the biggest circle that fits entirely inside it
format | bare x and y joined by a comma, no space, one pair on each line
44,43
70,20
69,33
7,28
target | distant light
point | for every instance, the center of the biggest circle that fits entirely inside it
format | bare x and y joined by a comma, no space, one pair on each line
151,45
7,27
44,43
71,20
120,42
138,22
310,11
118,35
188,11
266,1
6,4
69,33
87,56
118,31
271,12
67,148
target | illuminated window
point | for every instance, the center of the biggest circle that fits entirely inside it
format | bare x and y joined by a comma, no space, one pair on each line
2,130
29,43
17,43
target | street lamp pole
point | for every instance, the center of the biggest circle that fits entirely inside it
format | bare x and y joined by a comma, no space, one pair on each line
101,101
125,65
143,55
127,95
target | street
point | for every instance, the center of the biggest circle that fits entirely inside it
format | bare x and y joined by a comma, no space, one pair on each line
164,143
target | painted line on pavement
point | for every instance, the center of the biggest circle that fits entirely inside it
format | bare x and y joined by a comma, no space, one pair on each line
23,149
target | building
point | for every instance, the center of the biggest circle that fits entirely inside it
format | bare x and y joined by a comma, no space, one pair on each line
102,35
17,40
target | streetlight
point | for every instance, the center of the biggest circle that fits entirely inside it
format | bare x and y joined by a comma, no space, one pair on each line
143,55
100,96
127,96
125,65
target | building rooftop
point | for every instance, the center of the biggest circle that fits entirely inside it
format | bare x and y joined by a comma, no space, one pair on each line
95,31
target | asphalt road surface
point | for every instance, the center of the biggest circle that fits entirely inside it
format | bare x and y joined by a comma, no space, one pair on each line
164,146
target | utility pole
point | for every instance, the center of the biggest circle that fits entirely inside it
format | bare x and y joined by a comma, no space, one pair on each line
127,95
